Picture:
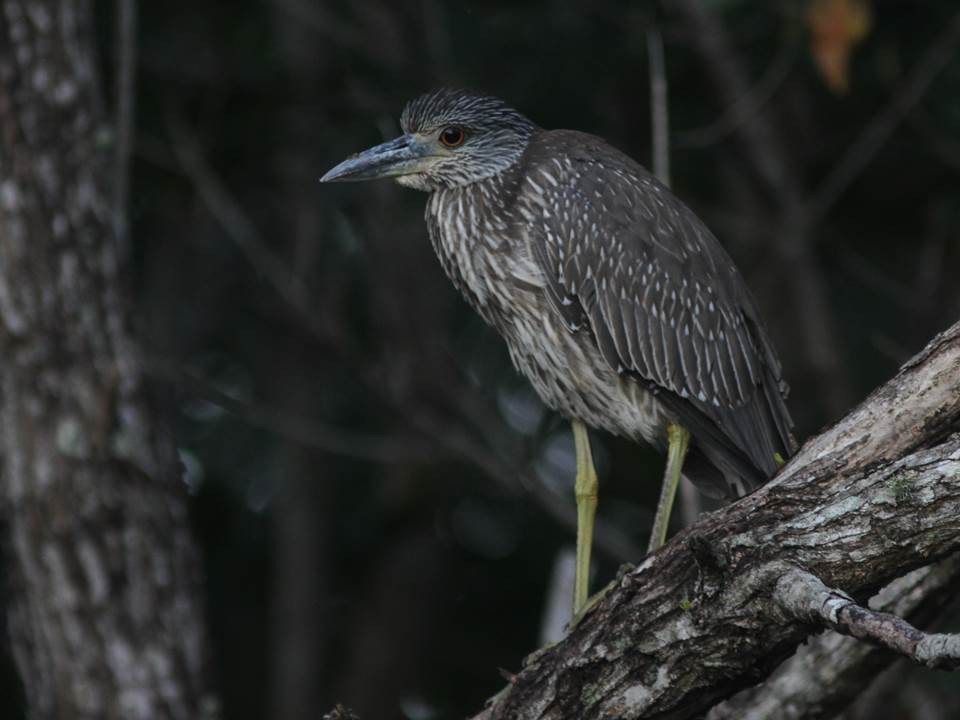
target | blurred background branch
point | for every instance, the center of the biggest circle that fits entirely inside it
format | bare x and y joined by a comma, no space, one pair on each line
125,121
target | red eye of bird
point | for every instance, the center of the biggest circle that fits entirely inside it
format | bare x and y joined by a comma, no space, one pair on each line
452,136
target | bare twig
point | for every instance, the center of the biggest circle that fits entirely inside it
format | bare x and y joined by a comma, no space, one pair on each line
750,104
831,670
691,503
240,228
659,107
436,36
804,597
341,712
873,277
328,25
302,430
940,144
756,131
557,608
125,111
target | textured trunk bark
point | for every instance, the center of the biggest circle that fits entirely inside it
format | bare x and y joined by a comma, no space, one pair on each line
105,617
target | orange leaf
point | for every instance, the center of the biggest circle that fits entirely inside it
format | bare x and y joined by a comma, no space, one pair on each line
836,28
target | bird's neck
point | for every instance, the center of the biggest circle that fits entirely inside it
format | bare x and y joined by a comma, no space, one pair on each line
476,205
467,226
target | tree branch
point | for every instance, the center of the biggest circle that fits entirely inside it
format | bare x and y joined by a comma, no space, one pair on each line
831,670
804,597
299,429
125,108
659,107
872,498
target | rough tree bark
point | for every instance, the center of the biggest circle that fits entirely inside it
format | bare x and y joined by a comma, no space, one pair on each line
104,609
717,609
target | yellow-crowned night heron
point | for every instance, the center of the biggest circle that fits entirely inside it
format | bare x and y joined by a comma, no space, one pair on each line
616,302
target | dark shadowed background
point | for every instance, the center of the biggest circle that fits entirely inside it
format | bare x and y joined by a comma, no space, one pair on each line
380,499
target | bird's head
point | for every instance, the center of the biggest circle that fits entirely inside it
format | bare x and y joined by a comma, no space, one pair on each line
451,138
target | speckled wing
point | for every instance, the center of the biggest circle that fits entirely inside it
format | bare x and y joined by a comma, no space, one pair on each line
662,299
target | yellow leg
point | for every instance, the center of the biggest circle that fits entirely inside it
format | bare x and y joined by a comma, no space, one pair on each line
586,492
678,440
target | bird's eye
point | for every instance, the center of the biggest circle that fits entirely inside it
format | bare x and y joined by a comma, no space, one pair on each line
452,136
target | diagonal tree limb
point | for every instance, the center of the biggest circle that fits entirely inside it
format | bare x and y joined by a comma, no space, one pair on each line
870,499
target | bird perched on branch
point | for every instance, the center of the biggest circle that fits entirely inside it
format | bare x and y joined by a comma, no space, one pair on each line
615,301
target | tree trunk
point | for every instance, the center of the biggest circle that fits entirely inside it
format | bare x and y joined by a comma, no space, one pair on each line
104,606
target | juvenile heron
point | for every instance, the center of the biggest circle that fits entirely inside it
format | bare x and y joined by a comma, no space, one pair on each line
616,302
